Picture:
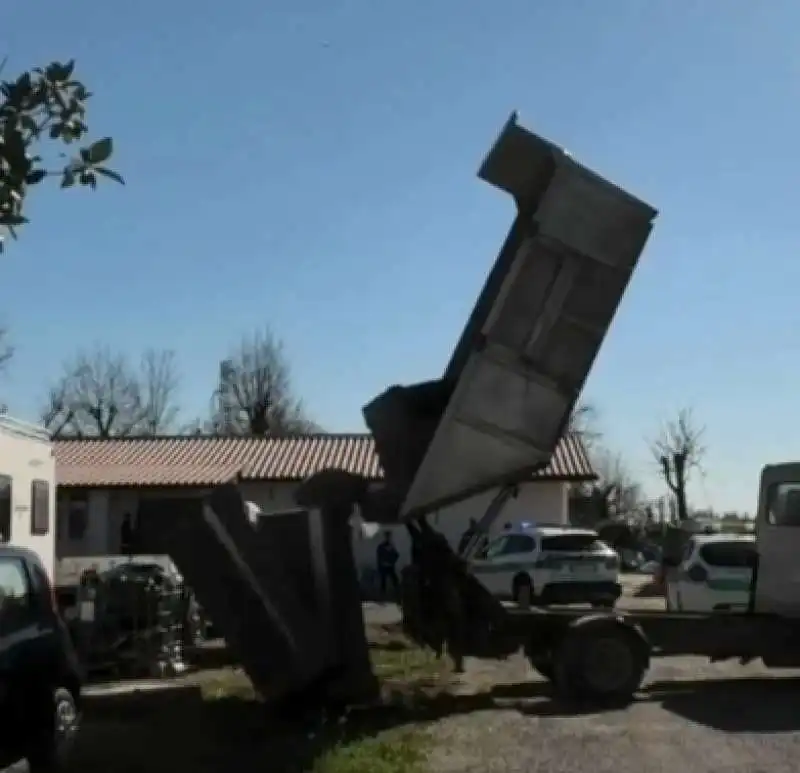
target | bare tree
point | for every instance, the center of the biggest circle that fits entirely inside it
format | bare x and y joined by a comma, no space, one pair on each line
99,394
255,394
6,350
679,451
158,386
583,421
613,495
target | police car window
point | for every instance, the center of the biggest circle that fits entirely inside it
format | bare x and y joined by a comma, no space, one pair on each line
572,543
496,547
783,505
519,543
728,554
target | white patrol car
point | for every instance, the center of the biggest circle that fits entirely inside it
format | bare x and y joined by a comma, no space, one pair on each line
549,565
714,574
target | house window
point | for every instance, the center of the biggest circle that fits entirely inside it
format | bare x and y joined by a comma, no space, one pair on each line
40,507
5,508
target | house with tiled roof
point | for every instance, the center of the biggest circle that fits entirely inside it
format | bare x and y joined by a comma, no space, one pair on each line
100,481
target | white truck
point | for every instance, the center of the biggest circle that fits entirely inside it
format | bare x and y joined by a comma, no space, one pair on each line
28,489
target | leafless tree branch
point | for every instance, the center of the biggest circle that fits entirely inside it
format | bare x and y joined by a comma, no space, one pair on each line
583,421
159,382
99,394
255,395
678,451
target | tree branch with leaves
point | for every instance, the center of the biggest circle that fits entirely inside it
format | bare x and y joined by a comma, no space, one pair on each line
43,108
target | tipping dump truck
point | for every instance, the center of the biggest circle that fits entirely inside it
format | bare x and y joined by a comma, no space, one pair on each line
285,592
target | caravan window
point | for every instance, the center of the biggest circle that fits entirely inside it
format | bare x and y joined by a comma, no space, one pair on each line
5,508
40,507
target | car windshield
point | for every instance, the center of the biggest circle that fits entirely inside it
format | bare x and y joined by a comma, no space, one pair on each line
729,555
572,543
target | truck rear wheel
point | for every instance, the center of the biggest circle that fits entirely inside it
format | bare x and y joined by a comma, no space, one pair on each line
601,659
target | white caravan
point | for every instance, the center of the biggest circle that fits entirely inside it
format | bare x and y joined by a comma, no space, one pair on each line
28,489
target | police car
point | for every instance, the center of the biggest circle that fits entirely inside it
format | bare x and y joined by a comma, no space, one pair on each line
714,574
543,565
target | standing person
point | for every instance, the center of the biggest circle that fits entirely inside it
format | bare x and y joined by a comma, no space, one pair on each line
126,535
387,557
468,534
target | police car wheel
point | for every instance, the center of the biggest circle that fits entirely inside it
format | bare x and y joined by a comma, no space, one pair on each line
522,592
57,734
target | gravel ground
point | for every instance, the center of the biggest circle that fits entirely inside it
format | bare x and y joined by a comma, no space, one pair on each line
691,716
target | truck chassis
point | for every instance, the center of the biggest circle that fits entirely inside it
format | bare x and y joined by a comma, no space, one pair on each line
589,655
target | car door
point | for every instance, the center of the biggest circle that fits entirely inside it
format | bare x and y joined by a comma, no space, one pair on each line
25,637
515,556
682,592
485,566
730,567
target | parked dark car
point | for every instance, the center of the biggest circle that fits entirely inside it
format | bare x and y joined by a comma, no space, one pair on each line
40,677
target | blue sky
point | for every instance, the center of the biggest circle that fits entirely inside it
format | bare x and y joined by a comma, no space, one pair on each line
311,166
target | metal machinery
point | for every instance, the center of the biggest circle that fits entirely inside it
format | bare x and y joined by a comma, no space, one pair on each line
284,591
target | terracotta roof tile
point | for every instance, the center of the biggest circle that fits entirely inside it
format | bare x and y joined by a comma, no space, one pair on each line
208,461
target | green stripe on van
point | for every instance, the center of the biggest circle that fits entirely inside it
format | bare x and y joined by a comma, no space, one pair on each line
729,584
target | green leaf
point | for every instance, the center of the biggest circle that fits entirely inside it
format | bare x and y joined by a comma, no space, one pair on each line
110,173
101,150
10,220
88,178
68,180
36,176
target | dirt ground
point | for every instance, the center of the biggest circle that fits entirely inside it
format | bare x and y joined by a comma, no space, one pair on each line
498,716
691,716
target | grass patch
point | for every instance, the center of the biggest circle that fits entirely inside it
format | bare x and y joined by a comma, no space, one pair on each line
214,721
393,751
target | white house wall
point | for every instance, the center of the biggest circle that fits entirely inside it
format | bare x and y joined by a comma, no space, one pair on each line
26,455
544,502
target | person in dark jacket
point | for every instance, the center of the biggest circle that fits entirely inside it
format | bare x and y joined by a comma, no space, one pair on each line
468,534
387,557
126,535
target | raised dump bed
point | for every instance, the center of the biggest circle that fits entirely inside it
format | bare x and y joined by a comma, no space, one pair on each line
285,593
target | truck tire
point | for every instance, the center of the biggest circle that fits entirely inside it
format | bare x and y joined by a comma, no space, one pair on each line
601,659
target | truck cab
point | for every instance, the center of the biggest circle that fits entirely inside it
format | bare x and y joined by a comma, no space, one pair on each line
776,579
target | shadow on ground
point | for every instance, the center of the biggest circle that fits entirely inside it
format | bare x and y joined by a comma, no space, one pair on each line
193,726
756,705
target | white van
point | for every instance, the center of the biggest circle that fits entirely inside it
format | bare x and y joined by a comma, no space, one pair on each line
28,490
714,574
549,565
